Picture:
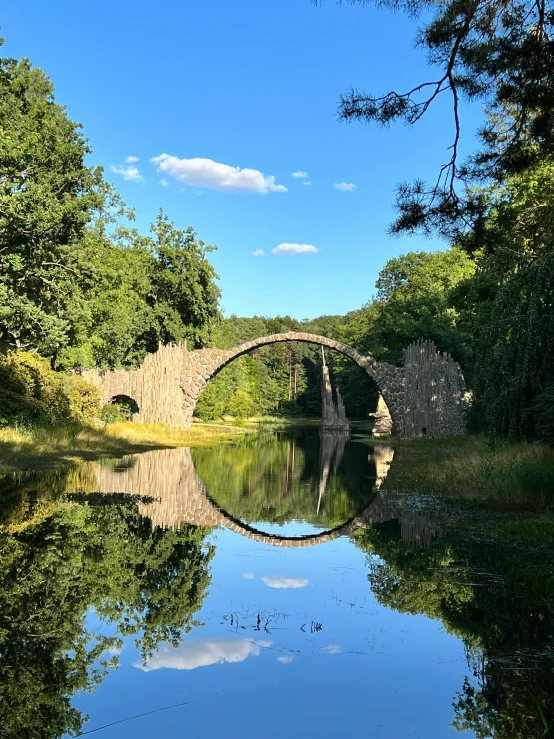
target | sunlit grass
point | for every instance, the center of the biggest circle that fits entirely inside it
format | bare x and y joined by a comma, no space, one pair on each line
502,475
26,447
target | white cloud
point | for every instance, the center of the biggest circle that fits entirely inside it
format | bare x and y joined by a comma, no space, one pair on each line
164,182
128,173
131,160
258,253
111,652
248,575
203,652
333,649
278,581
307,183
344,186
207,173
295,249
300,174
284,660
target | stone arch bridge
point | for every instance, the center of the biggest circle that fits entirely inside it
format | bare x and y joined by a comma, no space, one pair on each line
426,396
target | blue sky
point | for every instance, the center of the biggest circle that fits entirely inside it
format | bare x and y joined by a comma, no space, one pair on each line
253,85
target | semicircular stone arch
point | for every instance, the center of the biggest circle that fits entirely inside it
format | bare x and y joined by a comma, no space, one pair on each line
202,365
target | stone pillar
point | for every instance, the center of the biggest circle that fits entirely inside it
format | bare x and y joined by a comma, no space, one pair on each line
383,419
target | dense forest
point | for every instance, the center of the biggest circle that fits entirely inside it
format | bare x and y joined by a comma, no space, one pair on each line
81,287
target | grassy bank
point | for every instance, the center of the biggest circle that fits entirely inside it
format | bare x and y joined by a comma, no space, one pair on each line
501,476
46,446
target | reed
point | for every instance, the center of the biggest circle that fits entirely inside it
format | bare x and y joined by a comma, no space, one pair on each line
500,475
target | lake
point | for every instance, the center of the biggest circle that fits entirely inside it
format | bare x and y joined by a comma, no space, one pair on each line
271,587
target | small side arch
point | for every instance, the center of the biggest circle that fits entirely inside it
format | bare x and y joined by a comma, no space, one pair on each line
125,404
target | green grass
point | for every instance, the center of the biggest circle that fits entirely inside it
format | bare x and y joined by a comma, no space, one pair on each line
502,476
34,447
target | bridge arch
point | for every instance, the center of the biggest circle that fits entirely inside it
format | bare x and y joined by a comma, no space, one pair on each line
122,400
202,365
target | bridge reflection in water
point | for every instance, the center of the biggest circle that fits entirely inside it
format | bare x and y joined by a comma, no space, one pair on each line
178,495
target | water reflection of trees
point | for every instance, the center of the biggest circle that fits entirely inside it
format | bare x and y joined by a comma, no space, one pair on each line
491,585
77,558
277,479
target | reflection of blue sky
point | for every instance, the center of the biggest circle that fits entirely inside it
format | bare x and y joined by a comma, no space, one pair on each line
369,670
203,652
290,528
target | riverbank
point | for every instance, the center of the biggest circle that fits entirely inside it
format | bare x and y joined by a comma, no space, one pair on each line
41,447
497,475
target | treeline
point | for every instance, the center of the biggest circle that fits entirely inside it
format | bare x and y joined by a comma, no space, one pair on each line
489,301
414,299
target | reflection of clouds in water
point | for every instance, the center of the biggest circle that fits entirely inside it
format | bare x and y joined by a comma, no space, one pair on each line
203,652
332,649
284,660
248,575
279,581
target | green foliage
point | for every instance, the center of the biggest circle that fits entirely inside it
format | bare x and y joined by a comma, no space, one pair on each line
48,197
29,388
111,414
83,398
146,291
412,302
489,580
508,303
276,477
499,53
542,416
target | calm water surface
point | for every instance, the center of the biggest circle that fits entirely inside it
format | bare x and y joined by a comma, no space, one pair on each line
266,588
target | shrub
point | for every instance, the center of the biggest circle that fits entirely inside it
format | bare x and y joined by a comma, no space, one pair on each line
111,414
30,389
83,399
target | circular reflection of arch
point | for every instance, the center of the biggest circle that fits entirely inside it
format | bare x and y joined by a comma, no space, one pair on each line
169,477
381,508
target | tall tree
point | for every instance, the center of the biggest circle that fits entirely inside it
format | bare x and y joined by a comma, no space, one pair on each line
499,53
412,302
48,197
